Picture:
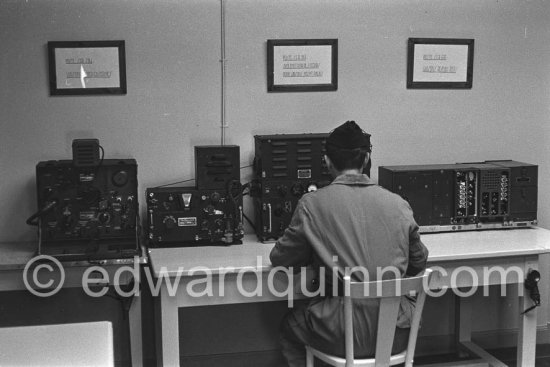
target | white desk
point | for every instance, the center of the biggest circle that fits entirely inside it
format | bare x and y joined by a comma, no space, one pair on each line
71,345
14,257
249,263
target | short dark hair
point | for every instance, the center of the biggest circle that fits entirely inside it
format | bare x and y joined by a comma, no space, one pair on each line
346,158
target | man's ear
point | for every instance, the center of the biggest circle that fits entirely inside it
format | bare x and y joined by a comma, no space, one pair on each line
367,158
328,162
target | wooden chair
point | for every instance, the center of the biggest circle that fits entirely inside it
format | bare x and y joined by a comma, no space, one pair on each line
389,292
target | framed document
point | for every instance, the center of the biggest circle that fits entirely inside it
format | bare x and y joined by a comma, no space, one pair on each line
87,67
302,65
440,63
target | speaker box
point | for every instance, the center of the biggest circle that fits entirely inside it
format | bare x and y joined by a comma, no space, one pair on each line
86,152
216,165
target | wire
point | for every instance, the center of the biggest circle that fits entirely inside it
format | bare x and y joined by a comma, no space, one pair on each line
246,191
173,183
234,191
192,179
100,160
102,155
249,222
33,219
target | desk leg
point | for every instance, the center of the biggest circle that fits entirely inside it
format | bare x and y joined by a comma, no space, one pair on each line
463,323
527,338
136,341
167,333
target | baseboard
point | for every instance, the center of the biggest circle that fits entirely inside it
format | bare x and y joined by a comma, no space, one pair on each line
493,339
426,345
268,358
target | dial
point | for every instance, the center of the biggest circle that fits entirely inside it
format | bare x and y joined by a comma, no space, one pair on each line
120,178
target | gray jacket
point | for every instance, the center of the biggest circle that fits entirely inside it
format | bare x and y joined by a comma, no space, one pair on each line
352,223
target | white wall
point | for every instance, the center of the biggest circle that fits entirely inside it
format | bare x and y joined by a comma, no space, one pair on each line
172,53
174,98
505,114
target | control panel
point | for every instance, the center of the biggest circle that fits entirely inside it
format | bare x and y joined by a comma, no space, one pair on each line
87,211
187,216
465,196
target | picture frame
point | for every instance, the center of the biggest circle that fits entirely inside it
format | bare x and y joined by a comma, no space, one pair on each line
440,63
87,67
302,65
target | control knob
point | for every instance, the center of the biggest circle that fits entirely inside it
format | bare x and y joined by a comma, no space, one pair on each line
120,178
104,217
169,222
215,197
297,190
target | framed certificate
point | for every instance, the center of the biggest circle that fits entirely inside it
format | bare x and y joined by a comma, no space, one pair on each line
87,67
302,65
440,63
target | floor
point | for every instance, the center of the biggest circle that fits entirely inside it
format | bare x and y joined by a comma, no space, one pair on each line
506,355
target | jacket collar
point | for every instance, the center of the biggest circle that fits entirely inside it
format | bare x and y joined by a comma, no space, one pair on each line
352,179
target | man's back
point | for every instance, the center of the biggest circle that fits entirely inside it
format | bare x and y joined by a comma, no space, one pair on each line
352,226
352,223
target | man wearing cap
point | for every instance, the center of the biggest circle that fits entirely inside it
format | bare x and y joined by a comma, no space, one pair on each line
351,223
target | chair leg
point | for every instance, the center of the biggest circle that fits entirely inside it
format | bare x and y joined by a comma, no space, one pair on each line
309,358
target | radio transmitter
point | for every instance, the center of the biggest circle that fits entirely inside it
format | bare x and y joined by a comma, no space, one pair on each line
187,216
466,196
211,213
286,166
87,211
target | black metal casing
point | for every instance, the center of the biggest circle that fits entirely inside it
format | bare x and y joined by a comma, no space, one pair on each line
216,165
286,166
210,213
92,211
187,216
464,196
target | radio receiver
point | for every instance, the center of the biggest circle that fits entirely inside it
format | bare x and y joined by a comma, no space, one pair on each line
87,212
466,196
187,216
210,213
286,166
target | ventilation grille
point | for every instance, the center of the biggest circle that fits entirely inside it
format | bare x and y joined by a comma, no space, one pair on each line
86,152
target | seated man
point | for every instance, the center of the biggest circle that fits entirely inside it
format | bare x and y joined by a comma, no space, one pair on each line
350,223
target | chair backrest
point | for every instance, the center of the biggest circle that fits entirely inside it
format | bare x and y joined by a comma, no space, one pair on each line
389,292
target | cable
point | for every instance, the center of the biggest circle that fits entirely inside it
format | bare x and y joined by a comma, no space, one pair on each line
531,284
223,64
100,161
102,155
191,179
232,187
173,183
246,191
249,222
33,219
